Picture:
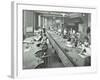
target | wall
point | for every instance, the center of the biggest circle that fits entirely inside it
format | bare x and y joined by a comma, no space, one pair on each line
28,22
5,39
28,18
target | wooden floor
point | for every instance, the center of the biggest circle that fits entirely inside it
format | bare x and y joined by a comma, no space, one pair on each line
53,61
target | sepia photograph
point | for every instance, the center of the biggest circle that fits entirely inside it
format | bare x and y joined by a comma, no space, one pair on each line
55,39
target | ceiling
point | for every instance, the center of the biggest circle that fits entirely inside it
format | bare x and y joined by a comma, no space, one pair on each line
59,14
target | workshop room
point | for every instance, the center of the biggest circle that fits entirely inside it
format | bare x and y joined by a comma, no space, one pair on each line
54,39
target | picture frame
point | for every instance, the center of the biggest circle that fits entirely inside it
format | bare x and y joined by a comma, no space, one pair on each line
17,26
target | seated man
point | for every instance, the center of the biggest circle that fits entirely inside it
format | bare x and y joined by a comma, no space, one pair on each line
43,44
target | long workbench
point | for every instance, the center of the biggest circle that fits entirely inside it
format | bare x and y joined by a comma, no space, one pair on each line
69,56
